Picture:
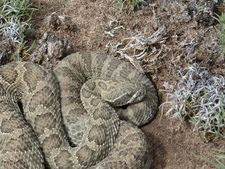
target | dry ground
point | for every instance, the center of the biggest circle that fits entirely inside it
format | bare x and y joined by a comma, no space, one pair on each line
82,23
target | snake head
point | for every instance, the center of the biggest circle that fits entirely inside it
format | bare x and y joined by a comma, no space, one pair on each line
122,92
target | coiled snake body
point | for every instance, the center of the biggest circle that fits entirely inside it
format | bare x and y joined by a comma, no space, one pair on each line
70,118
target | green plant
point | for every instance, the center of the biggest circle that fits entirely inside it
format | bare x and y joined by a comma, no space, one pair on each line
221,20
124,3
16,9
200,98
217,155
15,18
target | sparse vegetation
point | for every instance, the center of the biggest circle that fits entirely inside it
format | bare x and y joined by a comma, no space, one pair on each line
111,27
221,20
200,98
217,155
128,4
15,23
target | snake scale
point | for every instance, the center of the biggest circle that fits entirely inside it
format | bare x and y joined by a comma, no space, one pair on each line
77,116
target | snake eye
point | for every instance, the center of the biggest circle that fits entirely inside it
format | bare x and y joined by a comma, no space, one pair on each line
124,107
20,105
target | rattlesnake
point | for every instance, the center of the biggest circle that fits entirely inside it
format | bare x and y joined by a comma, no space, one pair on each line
94,90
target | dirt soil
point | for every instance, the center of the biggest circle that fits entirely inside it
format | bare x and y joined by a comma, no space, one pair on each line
96,25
